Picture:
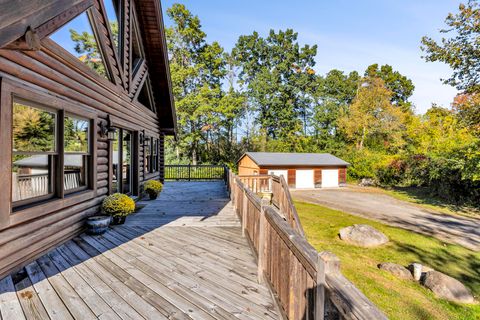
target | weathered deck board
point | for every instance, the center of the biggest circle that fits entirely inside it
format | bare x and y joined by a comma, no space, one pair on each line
181,257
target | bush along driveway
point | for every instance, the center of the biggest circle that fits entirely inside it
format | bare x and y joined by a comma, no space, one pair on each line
382,207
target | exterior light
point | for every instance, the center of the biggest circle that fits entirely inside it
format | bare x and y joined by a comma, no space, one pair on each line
107,131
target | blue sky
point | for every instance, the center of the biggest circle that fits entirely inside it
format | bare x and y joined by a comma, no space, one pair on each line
350,34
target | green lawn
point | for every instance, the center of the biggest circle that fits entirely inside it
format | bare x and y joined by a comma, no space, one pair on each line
399,299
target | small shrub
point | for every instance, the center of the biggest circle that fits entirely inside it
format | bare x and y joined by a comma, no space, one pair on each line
153,187
118,204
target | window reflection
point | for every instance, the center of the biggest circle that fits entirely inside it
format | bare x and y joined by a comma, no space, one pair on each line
31,177
33,151
33,128
115,159
126,162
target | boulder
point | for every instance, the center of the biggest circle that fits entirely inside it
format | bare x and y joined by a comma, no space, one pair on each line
446,287
367,182
363,235
397,270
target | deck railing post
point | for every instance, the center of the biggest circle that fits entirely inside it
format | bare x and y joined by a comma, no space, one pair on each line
261,244
320,289
244,213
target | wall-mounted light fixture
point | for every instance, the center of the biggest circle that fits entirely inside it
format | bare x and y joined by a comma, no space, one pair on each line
142,137
147,142
106,130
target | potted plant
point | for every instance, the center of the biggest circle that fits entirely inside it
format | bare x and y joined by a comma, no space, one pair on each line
118,206
153,188
97,225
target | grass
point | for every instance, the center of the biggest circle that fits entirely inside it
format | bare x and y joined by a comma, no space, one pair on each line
399,299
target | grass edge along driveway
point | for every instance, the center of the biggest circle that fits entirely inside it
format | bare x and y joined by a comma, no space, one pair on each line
399,299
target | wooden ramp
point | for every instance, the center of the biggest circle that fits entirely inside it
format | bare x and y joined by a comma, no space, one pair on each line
181,257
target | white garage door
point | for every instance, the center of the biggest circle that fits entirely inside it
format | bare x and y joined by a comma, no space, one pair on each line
304,179
279,173
329,178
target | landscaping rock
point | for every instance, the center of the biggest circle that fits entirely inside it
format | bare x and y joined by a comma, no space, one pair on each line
367,182
397,270
446,287
363,235
424,269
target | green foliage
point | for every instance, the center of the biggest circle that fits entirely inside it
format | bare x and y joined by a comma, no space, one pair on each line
400,86
33,129
462,49
266,96
118,205
278,75
153,186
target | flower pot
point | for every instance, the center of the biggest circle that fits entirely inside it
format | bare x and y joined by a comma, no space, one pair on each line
98,224
116,220
153,195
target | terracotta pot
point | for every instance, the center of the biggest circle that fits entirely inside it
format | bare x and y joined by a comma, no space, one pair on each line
98,224
116,220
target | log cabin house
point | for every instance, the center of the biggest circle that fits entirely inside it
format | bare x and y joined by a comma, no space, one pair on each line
300,170
85,103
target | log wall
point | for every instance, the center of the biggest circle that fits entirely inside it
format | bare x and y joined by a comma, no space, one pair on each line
58,78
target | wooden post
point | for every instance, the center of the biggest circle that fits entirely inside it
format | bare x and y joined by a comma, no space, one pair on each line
261,244
244,212
189,171
320,289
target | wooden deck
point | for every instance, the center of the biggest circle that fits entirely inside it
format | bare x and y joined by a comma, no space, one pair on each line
181,257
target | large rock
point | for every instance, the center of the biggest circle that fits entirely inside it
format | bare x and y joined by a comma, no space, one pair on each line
446,287
396,269
363,235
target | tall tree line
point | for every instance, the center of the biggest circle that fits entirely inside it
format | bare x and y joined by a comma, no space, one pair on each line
265,95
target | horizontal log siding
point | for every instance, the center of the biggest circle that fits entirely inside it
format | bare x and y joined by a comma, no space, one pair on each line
50,72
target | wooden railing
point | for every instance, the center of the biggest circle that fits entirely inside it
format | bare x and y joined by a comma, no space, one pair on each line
195,172
280,194
306,284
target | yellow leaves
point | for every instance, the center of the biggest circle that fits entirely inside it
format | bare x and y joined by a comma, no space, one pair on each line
153,186
118,204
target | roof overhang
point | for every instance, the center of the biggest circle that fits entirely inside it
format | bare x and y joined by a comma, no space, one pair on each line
150,19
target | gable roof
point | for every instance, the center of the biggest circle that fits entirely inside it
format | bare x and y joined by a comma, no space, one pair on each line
294,159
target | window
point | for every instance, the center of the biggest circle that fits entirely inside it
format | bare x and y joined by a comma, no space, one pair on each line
76,153
151,155
122,180
36,161
78,38
112,8
34,152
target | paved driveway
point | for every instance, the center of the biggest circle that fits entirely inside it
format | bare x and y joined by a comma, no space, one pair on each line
382,207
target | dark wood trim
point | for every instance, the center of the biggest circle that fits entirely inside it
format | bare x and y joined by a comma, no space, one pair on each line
48,207
52,25
135,163
6,154
60,174
17,15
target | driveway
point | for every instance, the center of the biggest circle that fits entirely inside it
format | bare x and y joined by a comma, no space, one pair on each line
384,208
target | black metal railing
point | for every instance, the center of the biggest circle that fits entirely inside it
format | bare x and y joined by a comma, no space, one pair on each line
195,172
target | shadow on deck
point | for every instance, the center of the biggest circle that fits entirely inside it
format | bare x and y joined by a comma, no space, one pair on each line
181,257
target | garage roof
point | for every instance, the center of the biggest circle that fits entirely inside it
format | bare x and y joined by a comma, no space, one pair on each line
295,159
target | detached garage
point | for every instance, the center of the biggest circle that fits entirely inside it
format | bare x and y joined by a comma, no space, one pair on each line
301,170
